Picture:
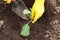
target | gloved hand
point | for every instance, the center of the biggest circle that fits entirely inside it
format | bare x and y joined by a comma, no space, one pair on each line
9,1
37,10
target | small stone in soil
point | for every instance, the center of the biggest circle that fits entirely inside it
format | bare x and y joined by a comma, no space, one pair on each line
0,26
1,22
47,32
46,36
26,39
51,38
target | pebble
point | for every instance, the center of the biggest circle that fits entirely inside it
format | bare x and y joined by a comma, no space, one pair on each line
50,34
54,21
57,9
57,27
47,32
46,36
1,22
26,39
0,26
51,38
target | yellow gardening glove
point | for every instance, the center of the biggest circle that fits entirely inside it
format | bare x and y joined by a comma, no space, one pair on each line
8,1
37,10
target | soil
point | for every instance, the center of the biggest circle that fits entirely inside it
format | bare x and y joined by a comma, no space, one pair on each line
46,28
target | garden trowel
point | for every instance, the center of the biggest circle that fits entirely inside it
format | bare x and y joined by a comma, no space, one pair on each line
19,7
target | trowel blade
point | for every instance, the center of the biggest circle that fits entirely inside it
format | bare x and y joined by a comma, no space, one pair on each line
18,7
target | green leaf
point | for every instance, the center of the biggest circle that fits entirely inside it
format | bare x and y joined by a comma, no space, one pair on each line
25,30
27,13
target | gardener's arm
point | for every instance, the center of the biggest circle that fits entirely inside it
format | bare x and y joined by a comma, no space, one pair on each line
37,10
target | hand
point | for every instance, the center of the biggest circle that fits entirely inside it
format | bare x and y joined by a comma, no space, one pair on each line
8,1
37,10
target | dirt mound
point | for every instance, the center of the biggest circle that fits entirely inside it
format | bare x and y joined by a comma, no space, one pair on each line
46,28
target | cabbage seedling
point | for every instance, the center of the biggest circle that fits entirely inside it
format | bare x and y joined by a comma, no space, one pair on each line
26,28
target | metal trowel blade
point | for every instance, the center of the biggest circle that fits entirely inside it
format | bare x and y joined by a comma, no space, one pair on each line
18,7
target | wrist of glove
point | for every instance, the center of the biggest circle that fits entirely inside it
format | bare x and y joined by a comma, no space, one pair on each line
37,10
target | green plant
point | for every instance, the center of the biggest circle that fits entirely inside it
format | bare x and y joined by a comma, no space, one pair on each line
26,28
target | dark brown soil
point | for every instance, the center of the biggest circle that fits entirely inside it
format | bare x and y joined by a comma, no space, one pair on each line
46,28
